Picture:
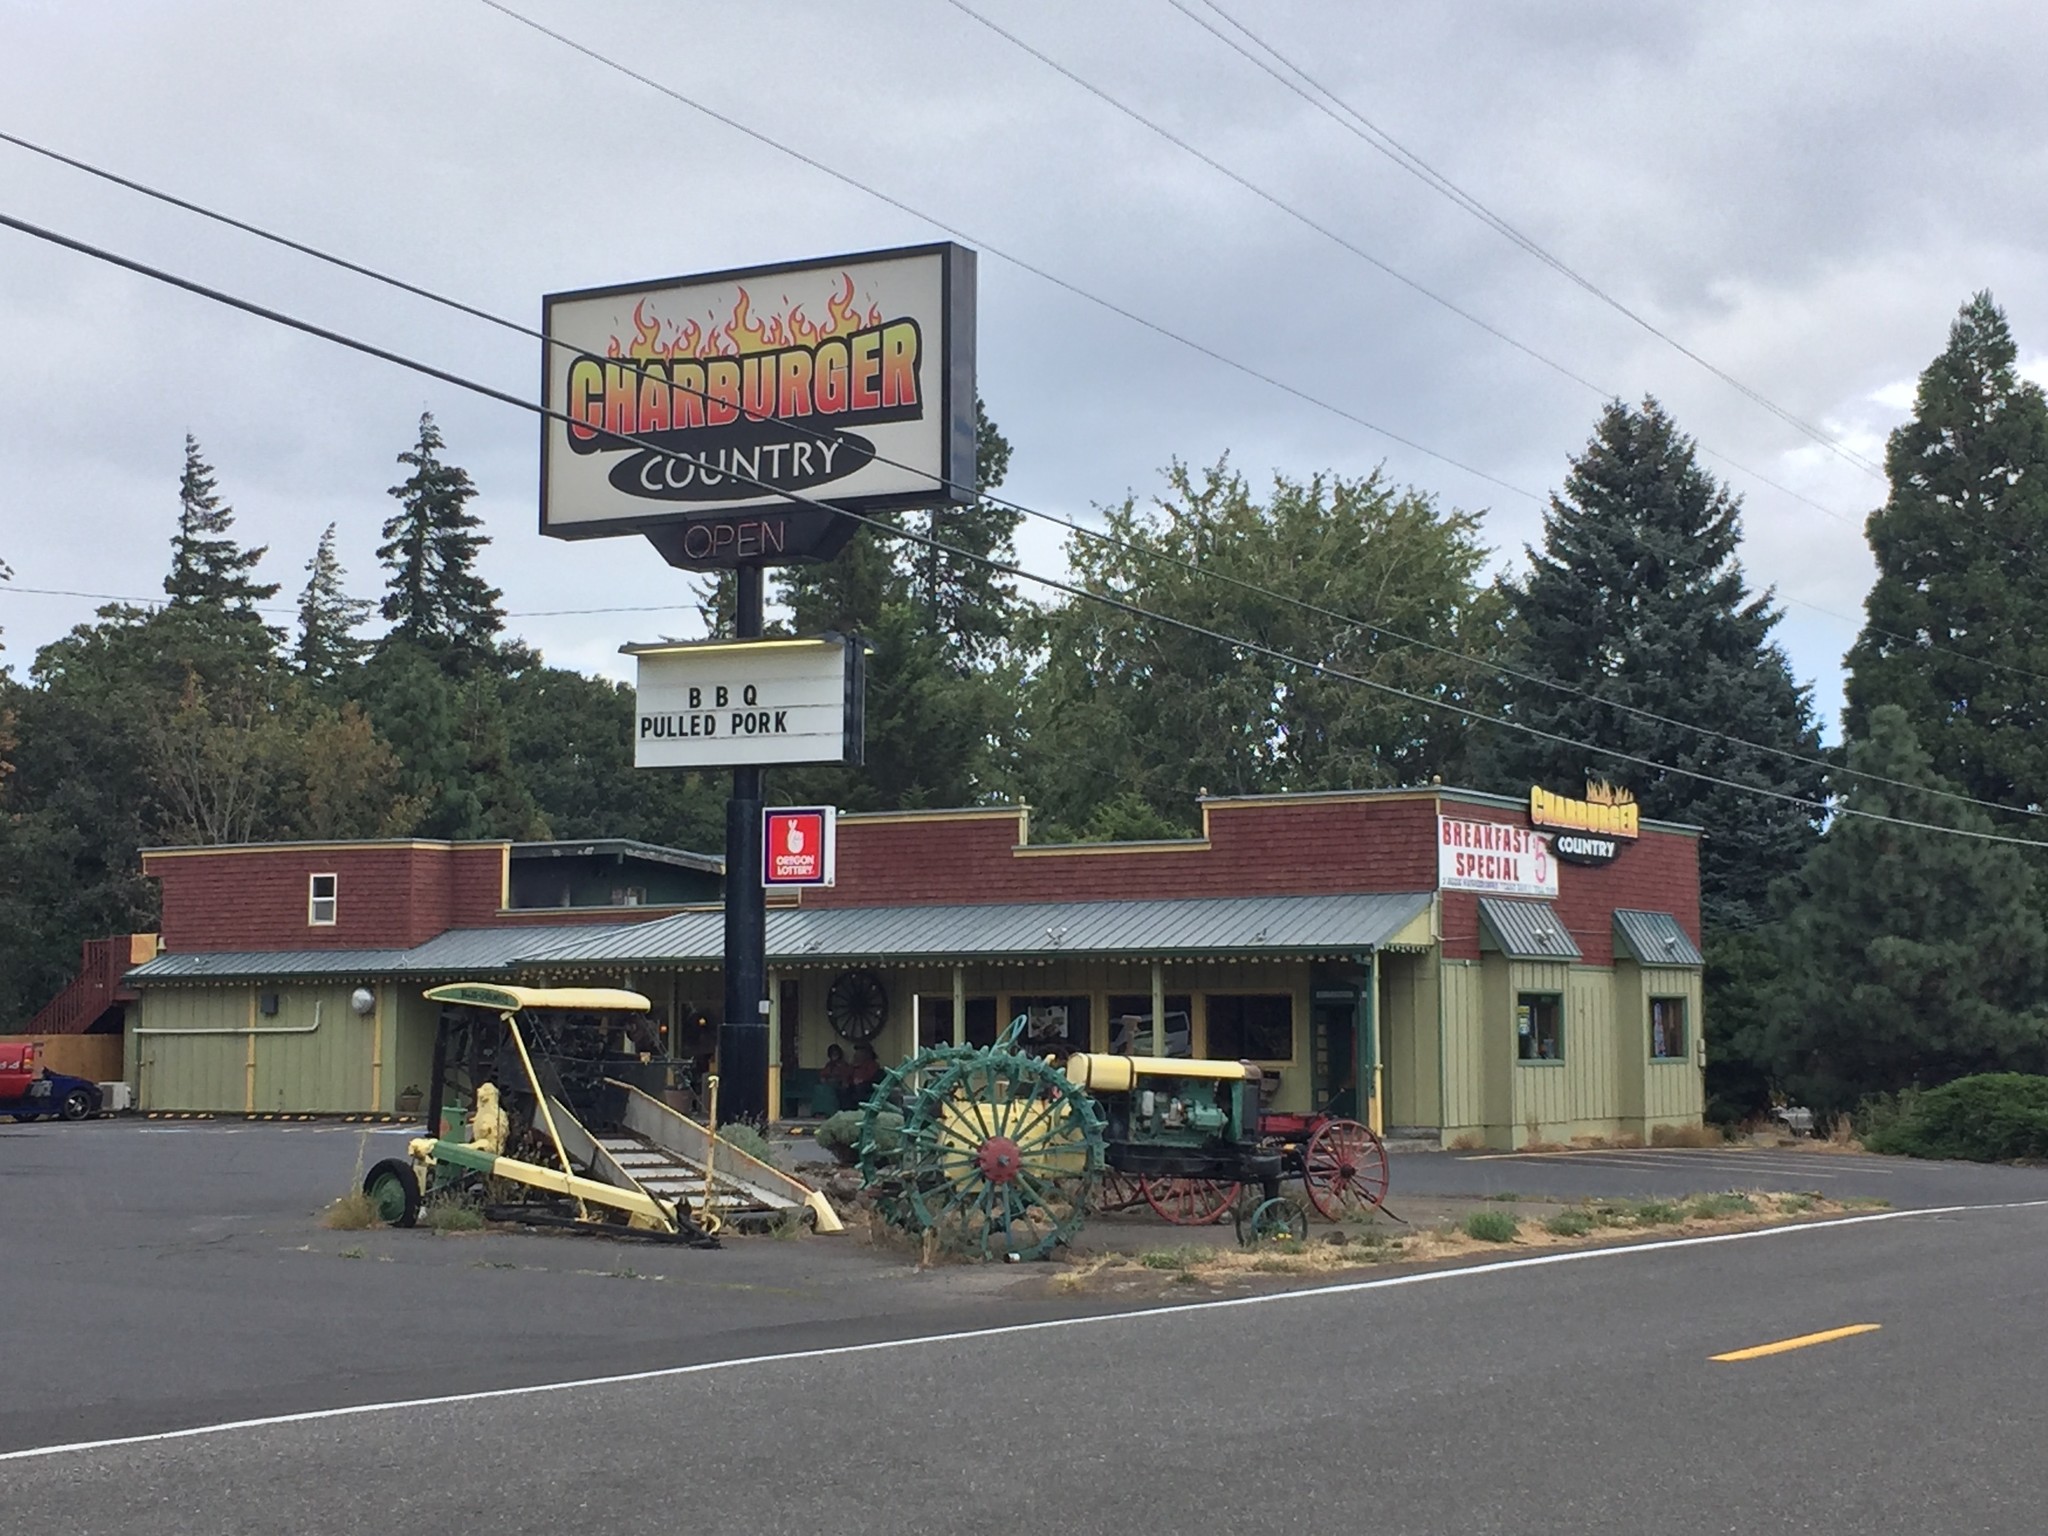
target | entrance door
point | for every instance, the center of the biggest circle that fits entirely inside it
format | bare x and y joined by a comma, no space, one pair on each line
1335,1054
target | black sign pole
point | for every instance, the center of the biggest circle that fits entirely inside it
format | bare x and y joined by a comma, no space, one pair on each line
743,1037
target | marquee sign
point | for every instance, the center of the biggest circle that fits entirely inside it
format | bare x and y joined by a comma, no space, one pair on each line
749,703
691,405
799,845
1589,831
1493,857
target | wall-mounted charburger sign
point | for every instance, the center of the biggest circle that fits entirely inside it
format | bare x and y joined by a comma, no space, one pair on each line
1588,831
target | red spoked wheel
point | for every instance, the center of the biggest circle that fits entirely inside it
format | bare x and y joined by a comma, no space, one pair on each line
1118,1191
1345,1169
1189,1202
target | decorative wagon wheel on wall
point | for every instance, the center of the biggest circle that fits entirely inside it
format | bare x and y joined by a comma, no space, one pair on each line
1190,1202
1345,1169
856,1006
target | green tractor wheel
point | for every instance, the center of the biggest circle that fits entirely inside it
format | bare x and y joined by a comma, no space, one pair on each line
1272,1221
999,1158
395,1190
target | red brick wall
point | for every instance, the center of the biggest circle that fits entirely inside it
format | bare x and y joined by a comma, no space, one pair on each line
390,896
1276,848
1289,847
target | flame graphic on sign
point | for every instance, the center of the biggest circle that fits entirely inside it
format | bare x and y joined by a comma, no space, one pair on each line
741,331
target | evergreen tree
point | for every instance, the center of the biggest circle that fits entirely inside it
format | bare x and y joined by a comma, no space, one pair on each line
207,565
328,618
435,597
962,601
1637,602
1957,627
1910,956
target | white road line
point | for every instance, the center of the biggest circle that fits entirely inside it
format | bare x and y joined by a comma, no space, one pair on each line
971,1335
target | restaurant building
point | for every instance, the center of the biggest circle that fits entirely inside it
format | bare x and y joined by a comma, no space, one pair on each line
1460,968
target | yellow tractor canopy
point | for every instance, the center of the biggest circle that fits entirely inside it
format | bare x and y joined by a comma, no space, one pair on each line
512,999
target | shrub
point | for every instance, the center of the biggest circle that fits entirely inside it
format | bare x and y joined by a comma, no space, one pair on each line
749,1140
1687,1136
1492,1227
1180,1259
1570,1224
1994,1117
1656,1213
840,1135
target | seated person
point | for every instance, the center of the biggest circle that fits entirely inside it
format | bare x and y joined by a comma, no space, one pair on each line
866,1069
837,1070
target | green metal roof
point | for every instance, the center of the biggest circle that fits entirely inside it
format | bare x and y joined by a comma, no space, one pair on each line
1526,930
457,953
1219,927
1655,938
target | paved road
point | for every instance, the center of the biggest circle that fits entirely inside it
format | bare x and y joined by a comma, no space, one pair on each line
161,1276
1663,1172
1541,1399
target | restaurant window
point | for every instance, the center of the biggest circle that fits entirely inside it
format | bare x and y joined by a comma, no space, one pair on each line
1052,1025
321,900
935,1020
1251,1028
1130,1024
1667,1028
1539,1026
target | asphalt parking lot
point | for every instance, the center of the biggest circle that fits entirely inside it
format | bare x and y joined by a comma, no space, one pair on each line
162,1275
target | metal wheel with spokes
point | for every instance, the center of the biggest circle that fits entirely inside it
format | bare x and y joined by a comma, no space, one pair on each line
1190,1202
1117,1191
1344,1167
1001,1157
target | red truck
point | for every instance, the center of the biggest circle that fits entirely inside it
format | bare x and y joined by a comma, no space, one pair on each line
31,1091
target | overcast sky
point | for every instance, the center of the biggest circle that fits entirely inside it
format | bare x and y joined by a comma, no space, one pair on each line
1802,195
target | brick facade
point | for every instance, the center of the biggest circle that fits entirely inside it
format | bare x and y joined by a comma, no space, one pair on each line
399,894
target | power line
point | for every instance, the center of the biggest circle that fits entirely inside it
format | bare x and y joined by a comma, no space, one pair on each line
1348,117
1006,567
162,601
1022,264
1493,667
1276,201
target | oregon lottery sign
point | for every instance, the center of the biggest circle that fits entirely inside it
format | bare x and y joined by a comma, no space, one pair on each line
683,409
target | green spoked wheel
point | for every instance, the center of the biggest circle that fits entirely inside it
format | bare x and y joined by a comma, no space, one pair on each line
1272,1221
999,1156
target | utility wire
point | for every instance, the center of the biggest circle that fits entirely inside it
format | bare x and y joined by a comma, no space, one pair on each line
161,601
1493,667
1011,568
1275,201
1354,122
1157,328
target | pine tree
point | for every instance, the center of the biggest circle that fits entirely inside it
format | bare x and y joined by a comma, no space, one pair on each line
208,566
969,605
1910,955
1957,622
1637,601
435,597
328,618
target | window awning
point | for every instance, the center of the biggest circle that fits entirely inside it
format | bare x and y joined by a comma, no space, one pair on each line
1654,938
1526,930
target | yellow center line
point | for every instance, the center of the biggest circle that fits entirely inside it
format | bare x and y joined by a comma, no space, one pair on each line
1804,1341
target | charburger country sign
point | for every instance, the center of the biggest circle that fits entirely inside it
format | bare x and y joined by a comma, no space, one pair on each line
694,410
1589,831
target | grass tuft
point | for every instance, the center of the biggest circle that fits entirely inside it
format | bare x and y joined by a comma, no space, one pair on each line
1491,1227
451,1213
353,1212
1570,1224
1687,1136
1712,1207
1656,1213
1179,1259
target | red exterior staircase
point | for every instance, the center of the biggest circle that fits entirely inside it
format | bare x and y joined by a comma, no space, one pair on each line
97,987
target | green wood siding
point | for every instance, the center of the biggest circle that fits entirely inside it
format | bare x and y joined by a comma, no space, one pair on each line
1409,1030
1674,1092
192,1051
1464,995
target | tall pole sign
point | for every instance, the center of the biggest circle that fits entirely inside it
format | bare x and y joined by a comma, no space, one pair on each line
731,419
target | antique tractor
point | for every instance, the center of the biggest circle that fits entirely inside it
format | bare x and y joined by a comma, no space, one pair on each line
1002,1154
